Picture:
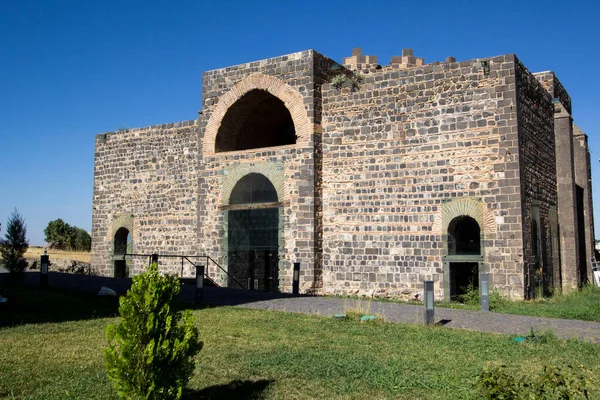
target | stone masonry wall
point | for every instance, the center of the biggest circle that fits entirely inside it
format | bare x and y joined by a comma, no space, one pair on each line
583,179
291,78
398,149
145,180
538,174
565,173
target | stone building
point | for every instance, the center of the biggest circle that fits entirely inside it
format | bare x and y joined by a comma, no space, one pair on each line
373,178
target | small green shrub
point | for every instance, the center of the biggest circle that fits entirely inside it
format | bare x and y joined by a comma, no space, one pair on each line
470,297
543,337
338,81
14,246
354,80
151,351
561,383
495,383
553,383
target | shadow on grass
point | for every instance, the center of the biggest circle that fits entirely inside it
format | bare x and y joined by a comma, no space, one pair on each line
233,390
32,305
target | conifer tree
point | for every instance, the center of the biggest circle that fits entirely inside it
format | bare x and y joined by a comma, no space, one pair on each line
15,244
151,351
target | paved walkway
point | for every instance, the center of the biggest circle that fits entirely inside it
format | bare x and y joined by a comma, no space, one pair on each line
392,312
490,322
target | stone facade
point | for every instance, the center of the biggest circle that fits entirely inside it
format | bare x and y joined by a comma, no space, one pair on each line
145,180
405,173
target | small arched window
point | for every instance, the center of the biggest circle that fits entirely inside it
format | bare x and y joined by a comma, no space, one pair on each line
464,236
253,188
122,241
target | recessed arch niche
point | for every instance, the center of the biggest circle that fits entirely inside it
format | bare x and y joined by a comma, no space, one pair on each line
242,108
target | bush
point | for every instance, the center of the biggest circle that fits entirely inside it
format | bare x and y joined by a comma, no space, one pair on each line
15,245
151,351
338,81
471,298
552,383
62,236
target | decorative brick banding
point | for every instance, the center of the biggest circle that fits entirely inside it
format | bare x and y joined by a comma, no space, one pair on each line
272,171
464,206
291,98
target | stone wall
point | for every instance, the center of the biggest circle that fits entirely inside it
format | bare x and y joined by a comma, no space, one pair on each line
398,149
570,259
366,188
145,180
538,178
583,179
296,80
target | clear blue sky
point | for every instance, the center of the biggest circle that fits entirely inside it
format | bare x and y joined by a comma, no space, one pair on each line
72,69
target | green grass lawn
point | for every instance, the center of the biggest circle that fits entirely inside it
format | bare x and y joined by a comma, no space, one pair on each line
51,348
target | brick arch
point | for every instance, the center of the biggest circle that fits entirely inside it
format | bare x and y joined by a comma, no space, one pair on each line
273,172
291,98
464,206
123,221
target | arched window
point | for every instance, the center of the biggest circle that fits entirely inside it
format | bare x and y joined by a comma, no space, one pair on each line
464,236
258,119
122,240
253,188
122,245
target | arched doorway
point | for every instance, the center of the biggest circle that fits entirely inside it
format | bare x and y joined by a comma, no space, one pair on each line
253,234
257,119
464,252
122,245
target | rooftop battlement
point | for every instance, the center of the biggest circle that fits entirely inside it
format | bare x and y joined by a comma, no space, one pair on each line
363,63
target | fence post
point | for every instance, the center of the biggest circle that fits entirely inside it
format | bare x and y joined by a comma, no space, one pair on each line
44,262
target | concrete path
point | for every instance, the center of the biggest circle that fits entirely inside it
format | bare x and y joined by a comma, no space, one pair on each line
392,312
411,314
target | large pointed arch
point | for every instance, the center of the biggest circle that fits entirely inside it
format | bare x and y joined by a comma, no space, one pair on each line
290,97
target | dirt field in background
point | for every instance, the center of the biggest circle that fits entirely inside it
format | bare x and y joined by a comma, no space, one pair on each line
36,252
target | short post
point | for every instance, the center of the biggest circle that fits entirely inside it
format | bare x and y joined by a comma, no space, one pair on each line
154,258
296,279
484,291
44,262
428,300
199,295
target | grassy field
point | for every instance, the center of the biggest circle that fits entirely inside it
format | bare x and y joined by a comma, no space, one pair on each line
52,345
36,252
579,304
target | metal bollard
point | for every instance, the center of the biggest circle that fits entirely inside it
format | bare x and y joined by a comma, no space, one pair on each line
484,291
296,279
199,294
428,300
44,262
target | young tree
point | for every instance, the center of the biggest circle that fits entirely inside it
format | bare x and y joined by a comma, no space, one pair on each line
15,244
82,241
62,236
151,351
58,234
